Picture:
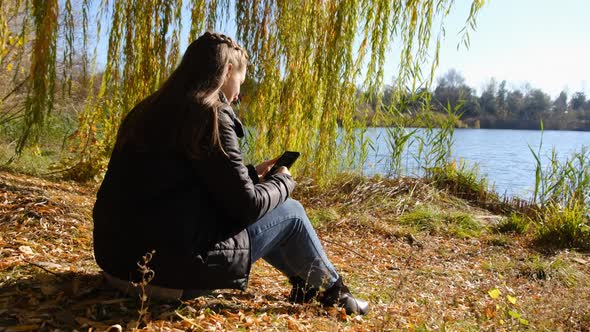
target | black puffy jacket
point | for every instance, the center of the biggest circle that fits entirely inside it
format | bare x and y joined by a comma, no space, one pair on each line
193,213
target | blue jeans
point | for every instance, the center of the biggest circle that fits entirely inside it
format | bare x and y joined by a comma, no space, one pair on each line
286,239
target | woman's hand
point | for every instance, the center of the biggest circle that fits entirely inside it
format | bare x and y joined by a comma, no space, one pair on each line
283,170
265,166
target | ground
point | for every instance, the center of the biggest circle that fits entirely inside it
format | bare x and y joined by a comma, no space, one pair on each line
424,260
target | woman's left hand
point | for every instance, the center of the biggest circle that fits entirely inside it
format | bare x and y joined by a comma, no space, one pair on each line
264,167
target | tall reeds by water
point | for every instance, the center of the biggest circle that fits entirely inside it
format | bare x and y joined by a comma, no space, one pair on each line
433,144
562,195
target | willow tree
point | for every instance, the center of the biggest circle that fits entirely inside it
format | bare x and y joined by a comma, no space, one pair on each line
307,59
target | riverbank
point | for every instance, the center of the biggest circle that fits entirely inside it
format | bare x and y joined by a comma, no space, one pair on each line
425,259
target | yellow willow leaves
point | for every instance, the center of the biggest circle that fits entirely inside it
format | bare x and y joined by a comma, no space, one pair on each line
67,26
42,72
310,60
8,9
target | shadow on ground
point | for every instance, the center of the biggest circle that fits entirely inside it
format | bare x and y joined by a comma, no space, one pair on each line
66,300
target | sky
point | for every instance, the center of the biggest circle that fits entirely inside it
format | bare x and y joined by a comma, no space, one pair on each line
543,42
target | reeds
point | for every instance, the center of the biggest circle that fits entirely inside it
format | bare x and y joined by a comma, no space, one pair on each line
398,139
431,146
562,194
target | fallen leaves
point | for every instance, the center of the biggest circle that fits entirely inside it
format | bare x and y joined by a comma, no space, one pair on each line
494,293
413,280
511,299
26,250
34,226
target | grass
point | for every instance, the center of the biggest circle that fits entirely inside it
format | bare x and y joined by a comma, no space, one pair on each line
559,211
561,215
540,268
33,161
457,224
513,223
321,217
463,181
43,158
564,227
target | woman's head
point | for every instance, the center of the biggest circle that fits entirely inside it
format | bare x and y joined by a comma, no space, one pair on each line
212,63
184,111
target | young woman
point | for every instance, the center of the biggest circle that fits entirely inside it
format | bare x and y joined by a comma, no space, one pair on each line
176,184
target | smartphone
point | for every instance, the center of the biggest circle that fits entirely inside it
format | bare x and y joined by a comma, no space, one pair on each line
286,159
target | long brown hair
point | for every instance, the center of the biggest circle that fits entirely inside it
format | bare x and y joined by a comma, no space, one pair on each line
183,112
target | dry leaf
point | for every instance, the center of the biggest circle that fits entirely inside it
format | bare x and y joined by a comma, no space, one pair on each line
490,311
494,293
26,250
511,299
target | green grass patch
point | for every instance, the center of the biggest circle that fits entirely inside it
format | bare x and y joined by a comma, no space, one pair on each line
455,224
322,216
459,178
513,223
465,182
39,158
499,240
566,227
33,160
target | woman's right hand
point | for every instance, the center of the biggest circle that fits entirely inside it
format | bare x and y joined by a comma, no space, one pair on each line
283,170
264,167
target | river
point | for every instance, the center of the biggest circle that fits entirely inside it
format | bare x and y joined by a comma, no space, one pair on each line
502,155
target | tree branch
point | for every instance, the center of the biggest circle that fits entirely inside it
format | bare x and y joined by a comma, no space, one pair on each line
18,86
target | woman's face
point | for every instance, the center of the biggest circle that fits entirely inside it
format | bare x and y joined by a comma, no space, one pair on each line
234,79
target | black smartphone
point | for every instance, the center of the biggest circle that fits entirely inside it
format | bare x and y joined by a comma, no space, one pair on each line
286,159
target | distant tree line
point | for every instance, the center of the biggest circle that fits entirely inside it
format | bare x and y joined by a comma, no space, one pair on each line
496,107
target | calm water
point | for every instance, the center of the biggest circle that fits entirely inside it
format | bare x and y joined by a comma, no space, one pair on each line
503,156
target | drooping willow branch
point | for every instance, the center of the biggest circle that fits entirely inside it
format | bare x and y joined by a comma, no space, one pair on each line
42,71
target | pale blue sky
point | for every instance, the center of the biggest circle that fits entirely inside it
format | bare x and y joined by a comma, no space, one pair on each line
543,42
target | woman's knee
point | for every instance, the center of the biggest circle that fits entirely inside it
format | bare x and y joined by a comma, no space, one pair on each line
294,208
297,216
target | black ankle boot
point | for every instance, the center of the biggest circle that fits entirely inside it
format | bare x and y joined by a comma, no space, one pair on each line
340,295
301,291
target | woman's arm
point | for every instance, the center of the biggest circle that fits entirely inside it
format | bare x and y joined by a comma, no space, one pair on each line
228,181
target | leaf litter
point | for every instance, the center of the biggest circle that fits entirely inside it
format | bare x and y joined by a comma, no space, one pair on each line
414,280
